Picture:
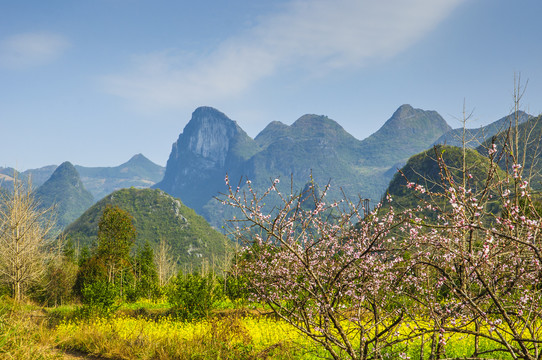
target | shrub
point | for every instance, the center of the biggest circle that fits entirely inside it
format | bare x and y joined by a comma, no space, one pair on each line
193,295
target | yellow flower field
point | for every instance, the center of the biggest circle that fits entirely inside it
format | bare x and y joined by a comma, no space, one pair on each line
139,338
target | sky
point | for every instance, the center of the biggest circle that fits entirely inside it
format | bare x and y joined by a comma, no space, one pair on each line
96,82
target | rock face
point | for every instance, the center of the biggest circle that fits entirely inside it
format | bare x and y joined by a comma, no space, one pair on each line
210,146
65,192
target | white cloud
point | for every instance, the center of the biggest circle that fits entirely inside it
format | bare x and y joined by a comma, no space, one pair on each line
31,49
314,36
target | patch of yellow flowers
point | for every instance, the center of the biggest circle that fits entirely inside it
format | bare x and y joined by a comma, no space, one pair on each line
128,337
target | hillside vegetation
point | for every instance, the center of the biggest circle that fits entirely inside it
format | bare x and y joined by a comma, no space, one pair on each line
156,216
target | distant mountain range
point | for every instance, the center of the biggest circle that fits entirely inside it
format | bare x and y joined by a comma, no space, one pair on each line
138,172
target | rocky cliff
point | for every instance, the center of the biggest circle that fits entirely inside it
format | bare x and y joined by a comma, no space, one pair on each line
210,146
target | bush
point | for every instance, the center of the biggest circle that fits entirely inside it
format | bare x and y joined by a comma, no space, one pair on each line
193,295
99,297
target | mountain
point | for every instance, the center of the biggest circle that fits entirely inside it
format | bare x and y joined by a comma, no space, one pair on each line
408,132
65,192
475,137
212,145
138,172
156,215
313,145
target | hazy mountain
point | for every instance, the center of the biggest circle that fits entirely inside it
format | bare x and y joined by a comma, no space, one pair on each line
314,145
36,176
408,132
476,136
65,192
138,172
212,145
156,215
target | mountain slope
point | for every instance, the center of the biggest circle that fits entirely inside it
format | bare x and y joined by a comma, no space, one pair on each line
423,169
528,152
313,145
475,137
65,192
208,149
156,216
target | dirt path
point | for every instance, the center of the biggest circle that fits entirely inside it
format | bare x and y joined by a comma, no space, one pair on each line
76,355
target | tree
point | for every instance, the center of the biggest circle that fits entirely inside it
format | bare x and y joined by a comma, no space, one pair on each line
116,235
146,275
166,264
331,280
463,262
193,295
24,228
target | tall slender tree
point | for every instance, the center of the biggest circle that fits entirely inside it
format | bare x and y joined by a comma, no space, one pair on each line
116,235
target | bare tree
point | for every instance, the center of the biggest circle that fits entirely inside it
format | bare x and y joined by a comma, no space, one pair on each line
23,235
166,264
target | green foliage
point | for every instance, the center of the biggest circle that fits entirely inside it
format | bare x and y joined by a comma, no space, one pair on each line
99,297
522,147
84,255
60,277
192,296
110,262
90,271
116,234
236,288
146,276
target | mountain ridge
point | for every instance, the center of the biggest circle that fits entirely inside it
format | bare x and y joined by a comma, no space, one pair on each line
314,145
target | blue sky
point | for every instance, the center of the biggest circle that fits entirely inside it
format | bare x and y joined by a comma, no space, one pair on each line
95,82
